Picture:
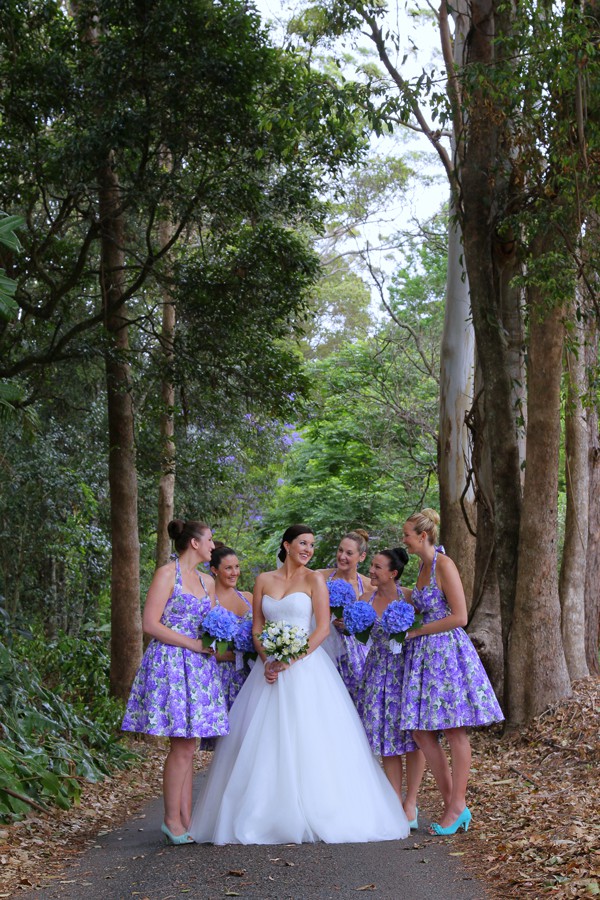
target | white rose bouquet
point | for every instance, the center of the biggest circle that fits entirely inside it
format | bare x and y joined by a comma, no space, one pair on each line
283,642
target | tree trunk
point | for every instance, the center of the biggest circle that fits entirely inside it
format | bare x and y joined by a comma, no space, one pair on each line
573,569
509,267
485,621
592,584
537,670
126,625
457,498
483,183
166,487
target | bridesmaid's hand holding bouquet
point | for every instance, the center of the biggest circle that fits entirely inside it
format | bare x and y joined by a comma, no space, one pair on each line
398,618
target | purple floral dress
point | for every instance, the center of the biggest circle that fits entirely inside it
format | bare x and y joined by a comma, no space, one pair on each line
381,695
445,684
351,663
233,678
176,692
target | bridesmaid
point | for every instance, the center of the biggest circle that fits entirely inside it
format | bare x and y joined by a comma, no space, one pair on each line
381,694
225,568
177,690
445,685
351,552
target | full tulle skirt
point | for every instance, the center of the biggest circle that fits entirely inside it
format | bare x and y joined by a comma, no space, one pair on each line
296,767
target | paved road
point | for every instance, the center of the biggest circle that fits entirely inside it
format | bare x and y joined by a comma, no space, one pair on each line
135,862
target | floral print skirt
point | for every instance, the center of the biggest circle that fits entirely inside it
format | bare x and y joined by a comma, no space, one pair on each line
445,684
380,698
176,693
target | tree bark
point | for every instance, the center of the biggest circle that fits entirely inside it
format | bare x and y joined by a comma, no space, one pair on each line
592,583
485,621
126,626
166,487
573,569
537,671
483,181
457,496
457,361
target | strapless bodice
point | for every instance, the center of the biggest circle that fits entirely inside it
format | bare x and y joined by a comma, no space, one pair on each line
295,609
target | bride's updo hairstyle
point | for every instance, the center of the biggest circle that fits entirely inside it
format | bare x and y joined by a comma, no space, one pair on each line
360,538
426,521
181,533
289,535
398,557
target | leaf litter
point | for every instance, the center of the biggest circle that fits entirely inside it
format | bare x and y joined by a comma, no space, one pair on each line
534,795
535,799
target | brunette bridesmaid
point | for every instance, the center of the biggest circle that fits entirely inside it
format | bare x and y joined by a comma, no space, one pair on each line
177,691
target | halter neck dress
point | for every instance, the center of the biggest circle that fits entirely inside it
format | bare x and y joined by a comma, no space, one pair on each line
445,684
351,662
176,692
296,766
232,677
381,695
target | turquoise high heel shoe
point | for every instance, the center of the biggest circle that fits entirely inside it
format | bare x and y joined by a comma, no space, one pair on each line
184,838
463,821
414,823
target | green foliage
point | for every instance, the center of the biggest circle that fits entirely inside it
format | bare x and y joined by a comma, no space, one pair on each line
63,514
205,124
57,724
12,394
365,453
8,238
366,457
340,311
230,141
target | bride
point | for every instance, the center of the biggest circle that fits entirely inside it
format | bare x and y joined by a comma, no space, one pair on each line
296,765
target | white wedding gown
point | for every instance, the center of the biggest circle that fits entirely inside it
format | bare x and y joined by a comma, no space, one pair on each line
296,765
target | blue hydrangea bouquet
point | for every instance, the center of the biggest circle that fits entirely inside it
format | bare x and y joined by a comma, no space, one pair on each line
218,629
283,642
340,595
398,618
359,618
242,640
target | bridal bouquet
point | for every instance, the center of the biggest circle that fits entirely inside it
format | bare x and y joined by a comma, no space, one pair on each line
218,629
283,642
359,618
398,618
340,595
242,640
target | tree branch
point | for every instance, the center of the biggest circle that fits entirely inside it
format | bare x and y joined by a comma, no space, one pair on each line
402,85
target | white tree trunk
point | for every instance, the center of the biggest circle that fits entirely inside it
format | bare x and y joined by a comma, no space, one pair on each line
573,569
456,398
457,368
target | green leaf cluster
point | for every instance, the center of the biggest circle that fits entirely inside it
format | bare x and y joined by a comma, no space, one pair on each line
57,723
365,451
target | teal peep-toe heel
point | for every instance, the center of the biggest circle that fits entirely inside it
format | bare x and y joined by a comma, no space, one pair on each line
184,838
414,823
463,821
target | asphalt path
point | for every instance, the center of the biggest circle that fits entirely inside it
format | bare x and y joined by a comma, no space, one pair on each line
134,861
